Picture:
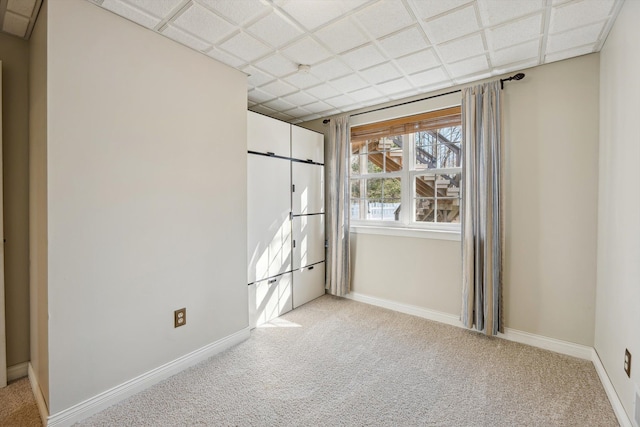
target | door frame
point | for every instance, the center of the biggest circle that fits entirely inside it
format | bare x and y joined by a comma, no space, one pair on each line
3,334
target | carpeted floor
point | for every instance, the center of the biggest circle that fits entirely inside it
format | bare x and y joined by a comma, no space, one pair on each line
18,406
339,362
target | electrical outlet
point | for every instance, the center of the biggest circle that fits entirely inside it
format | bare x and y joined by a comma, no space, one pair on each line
627,362
180,317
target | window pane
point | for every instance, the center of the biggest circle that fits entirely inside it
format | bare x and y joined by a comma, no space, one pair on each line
425,208
375,209
355,188
356,211
425,147
448,185
425,185
375,163
437,198
355,165
391,210
449,155
448,209
374,188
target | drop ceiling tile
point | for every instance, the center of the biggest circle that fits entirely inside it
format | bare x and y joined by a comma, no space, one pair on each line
462,48
429,77
257,77
394,86
184,38
418,61
384,17
283,116
238,11
311,13
133,14
225,58
274,29
570,53
246,47
381,73
366,94
341,36
204,24
277,65
300,98
302,80
264,110
251,103
349,83
401,95
363,57
318,107
404,42
278,88
306,51
310,117
577,14
330,69
259,96
21,7
349,5
516,53
15,24
468,66
516,32
574,38
279,105
298,112
494,12
426,9
322,91
158,8
340,101
516,66
452,25
472,78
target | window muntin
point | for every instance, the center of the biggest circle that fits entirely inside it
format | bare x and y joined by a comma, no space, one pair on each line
408,174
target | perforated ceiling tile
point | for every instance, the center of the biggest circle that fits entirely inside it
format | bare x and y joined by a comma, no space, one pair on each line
468,66
494,12
298,112
322,91
349,83
203,23
259,96
15,24
394,86
257,77
516,32
238,11
380,73
159,8
264,110
277,65
418,61
302,80
462,48
452,25
279,105
365,94
275,30
246,47
184,38
573,15
404,42
384,17
21,7
131,13
340,101
318,107
429,77
363,57
570,53
278,88
574,38
306,51
300,98
330,69
341,36
426,9
225,58
516,53
311,13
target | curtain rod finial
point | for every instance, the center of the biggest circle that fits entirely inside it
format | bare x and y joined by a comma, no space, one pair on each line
325,121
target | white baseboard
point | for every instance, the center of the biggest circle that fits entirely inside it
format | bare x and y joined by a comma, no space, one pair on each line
110,397
17,371
618,409
37,393
559,346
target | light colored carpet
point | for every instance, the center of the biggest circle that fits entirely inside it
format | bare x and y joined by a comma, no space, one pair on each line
18,406
340,362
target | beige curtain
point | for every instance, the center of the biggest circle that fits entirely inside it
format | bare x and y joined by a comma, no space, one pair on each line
482,208
338,256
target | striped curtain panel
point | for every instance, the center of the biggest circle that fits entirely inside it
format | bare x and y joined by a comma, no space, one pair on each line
482,211
338,253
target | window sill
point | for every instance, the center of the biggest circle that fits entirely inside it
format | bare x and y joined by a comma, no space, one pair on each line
407,232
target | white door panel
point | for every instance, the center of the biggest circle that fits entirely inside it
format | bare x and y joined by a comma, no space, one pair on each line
267,135
269,299
307,144
268,216
308,195
308,284
308,235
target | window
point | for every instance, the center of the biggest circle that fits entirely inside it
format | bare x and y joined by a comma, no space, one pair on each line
407,172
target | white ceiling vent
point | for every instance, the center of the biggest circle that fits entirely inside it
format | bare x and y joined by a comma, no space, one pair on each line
17,17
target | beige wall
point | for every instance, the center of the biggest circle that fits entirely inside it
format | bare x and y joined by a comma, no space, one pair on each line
551,145
146,156
38,291
618,290
14,54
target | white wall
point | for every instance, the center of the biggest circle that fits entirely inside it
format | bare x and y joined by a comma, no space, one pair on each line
618,291
551,144
147,200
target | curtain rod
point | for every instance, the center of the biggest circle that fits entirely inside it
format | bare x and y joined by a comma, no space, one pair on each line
518,76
